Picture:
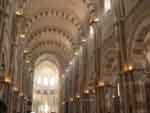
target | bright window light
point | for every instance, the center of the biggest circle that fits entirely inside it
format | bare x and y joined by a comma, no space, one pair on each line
118,89
45,81
148,56
39,80
46,86
44,108
52,81
91,30
107,5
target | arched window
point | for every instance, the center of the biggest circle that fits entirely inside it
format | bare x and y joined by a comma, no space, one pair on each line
46,87
107,5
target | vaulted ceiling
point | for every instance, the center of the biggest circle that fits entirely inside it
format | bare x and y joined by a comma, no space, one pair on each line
55,27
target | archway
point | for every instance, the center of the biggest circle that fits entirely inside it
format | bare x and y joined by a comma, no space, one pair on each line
46,87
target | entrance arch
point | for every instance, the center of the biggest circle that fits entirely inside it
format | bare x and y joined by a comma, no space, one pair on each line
46,87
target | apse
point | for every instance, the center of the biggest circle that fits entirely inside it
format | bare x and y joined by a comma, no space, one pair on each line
46,86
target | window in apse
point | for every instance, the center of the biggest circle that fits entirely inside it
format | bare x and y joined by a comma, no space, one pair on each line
107,5
46,80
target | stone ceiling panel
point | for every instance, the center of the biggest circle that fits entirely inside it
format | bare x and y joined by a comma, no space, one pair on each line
77,6
54,21
55,27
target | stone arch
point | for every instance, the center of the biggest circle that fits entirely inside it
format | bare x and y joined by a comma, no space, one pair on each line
139,43
52,44
86,2
70,17
53,49
50,29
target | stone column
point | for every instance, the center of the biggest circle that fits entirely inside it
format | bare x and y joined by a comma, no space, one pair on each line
100,100
147,90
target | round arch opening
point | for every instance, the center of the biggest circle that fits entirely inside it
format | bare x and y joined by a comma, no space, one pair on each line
46,86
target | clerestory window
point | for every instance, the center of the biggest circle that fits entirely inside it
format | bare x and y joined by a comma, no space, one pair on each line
107,5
